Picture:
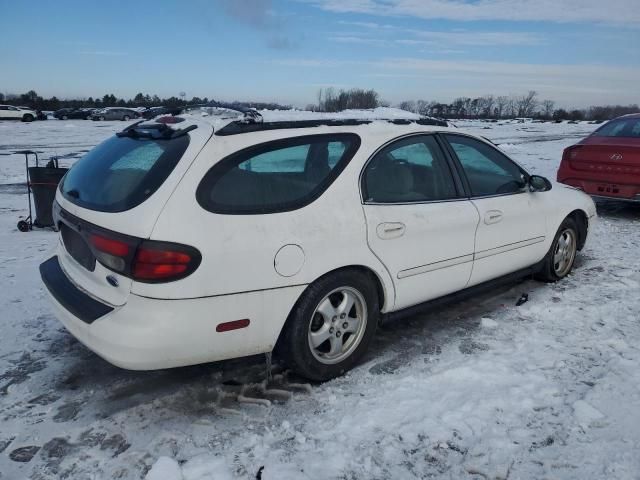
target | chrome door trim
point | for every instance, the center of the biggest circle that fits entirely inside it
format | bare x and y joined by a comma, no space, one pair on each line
432,267
508,247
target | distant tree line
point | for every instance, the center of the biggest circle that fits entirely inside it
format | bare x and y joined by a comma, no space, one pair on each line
33,100
514,106
332,100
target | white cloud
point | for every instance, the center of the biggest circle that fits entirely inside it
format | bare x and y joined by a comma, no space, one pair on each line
481,38
593,11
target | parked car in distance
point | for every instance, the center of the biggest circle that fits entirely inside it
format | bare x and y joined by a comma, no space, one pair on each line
9,112
182,245
152,112
114,113
606,163
74,113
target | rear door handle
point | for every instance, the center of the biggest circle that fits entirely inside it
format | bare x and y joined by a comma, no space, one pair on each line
387,231
492,216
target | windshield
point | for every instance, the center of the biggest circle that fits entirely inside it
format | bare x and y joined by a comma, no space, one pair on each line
122,172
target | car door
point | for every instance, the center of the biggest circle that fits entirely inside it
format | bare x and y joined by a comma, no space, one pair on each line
13,113
512,227
419,224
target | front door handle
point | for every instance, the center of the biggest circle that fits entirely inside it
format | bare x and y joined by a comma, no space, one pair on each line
387,231
493,216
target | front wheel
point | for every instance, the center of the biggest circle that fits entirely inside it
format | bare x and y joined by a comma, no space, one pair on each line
331,326
125,118
562,255
27,118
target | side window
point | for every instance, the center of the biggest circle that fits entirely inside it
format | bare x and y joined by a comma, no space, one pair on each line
488,170
409,170
277,176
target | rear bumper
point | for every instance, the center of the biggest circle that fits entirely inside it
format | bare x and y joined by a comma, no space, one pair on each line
149,334
603,189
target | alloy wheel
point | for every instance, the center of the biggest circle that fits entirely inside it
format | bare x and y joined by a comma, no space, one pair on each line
565,252
337,325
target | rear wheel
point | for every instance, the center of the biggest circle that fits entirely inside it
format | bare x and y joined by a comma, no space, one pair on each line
331,326
64,117
101,119
27,118
126,118
561,256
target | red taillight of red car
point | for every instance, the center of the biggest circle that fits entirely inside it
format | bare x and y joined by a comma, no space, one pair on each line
162,261
571,153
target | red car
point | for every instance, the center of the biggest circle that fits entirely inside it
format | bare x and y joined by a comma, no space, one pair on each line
607,162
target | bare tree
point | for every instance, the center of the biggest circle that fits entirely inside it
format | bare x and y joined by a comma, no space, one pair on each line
501,106
526,104
409,106
547,108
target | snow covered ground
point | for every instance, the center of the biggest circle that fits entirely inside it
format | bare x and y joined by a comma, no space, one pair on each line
481,389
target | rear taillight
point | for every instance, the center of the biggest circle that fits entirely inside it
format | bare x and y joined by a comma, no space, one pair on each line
110,252
147,261
571,153
163,261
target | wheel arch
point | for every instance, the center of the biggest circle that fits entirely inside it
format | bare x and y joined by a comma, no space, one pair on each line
383,294
582,221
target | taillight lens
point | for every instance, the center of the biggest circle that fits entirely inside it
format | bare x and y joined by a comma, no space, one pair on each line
163,261
571,153
110,252
147,261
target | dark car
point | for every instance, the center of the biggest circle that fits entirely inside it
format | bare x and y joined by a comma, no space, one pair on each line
607,162
73,113
153,112
115,113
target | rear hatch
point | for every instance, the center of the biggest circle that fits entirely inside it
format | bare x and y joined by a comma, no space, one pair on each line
612,153
109,201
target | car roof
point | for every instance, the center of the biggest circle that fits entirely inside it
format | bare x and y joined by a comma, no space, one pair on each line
630,115
265,131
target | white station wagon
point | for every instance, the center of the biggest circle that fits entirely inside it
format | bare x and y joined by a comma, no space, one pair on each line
186,240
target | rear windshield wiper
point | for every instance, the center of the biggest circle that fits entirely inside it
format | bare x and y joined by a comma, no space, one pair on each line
154,131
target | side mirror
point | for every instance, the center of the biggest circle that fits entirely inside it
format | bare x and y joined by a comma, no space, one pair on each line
538,183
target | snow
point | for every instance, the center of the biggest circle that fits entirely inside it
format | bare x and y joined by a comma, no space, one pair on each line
478,389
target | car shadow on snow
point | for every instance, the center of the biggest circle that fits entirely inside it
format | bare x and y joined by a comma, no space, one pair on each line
611,209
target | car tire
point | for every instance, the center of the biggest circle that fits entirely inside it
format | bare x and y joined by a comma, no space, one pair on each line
126,118
27,118
64,117
331,325
560,258
101,119
88,118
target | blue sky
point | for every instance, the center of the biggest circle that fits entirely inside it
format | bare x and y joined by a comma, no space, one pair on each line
577,52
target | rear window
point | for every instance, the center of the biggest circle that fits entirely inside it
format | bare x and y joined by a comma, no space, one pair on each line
277,176
122,172
629,127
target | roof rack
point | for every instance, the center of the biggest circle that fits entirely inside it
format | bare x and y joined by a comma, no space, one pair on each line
237,127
